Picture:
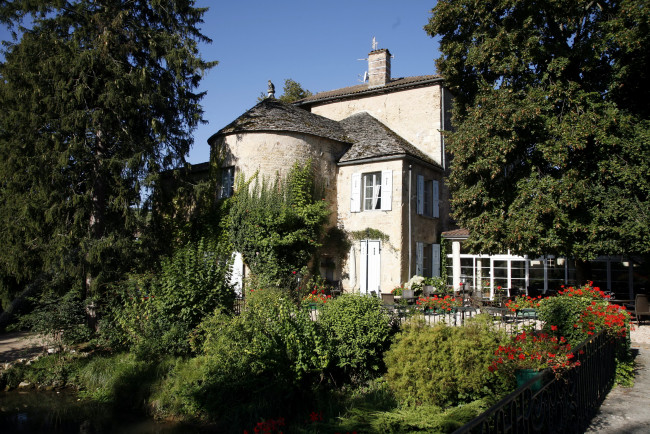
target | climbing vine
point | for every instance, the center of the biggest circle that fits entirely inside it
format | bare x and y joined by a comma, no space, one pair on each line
369,234
277,225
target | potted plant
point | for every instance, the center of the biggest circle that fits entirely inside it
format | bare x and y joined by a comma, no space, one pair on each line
524,306
531,352
445,304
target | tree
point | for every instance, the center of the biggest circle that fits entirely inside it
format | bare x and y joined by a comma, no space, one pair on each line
98,97
291,92
551,142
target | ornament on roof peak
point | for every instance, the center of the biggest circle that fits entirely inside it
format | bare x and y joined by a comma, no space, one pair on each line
270,91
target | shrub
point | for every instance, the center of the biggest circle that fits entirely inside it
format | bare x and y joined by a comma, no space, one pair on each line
359,330
61,320
154,315
562,313
194,282
277,224
443,365
250,365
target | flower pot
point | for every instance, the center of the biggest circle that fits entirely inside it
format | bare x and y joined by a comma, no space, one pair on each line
525,375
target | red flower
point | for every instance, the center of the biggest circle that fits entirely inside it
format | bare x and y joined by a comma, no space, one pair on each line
554,328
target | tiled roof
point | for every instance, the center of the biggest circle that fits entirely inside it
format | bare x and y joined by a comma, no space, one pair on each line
273,115
373,139
456,233
365,88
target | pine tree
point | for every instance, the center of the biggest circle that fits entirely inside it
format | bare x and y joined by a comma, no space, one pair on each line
551,149
97,98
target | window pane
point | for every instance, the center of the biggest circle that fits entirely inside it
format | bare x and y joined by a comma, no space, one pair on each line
536,274
372,191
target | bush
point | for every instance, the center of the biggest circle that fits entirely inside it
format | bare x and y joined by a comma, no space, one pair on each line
359,332
445,366
563,312
252,365
194,282
61,320
154,315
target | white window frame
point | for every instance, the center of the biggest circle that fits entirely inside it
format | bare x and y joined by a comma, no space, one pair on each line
380,191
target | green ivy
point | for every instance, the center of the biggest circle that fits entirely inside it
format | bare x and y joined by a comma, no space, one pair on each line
277,226
369,234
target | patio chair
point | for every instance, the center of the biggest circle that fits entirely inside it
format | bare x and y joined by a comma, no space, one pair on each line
387,299
641,307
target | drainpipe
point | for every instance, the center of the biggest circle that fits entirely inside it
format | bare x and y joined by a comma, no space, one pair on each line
442,122
409,204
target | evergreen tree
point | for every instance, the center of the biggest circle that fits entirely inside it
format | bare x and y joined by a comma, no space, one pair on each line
97,98
293,91
551,142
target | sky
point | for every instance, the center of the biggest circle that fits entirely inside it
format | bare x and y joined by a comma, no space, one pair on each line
320,44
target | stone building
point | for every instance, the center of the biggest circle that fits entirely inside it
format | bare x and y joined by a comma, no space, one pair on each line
377,148
380,153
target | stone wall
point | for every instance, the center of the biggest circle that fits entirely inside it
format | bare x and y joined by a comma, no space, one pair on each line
273,153
414,114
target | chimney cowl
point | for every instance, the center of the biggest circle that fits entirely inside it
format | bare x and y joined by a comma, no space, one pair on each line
379,67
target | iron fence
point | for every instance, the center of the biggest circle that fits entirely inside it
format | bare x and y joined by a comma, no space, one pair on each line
503,319
562,405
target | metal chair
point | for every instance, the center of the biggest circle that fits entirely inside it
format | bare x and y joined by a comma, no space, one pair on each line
641,307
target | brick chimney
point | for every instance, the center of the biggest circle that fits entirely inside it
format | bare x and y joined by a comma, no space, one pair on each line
378,67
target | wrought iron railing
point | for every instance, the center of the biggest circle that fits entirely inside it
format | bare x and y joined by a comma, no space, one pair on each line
504,319
562,405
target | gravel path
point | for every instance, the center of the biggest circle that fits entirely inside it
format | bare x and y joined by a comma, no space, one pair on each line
19,345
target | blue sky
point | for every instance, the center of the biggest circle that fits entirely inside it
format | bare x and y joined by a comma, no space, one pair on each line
316,43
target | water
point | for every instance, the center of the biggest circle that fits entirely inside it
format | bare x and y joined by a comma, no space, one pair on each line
63,413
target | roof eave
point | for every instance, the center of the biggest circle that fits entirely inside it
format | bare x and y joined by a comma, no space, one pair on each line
369,91
403,156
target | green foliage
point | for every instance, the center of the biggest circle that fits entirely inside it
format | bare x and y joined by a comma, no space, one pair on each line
551,134
60,320
564,312
249,365
194,282
358,330
53,370
121,380
423,418
277,226
97,99
369,234
445,366
291,92
154,315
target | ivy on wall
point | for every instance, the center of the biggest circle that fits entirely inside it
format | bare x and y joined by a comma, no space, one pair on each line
277,225
369,234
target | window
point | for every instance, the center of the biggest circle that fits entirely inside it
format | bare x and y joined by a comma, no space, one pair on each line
227,182
371,191
427,259
428,192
